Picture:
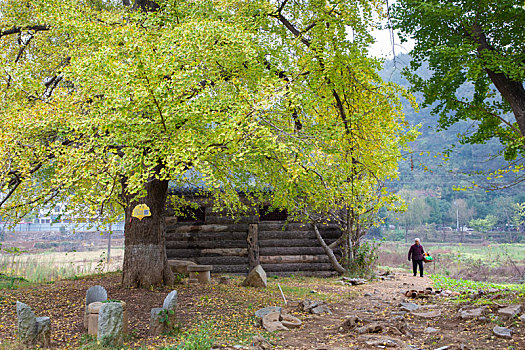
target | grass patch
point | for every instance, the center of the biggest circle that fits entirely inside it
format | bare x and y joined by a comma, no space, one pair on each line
461,285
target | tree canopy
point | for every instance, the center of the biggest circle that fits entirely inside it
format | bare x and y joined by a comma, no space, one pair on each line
103,103
470,43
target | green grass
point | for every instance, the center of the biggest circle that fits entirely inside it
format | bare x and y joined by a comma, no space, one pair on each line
460,285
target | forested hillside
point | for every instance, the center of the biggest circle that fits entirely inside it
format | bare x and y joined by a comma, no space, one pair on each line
433,179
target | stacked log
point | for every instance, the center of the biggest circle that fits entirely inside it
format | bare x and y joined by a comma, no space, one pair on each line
233,246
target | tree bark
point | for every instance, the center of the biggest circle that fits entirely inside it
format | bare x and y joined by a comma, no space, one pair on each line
253,245
145,261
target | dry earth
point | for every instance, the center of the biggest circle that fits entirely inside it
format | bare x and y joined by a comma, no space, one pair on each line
229,311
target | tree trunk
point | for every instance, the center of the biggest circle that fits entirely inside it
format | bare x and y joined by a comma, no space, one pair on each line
145,261
329,252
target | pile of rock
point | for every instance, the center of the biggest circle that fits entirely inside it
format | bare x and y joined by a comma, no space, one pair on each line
274,319
314,307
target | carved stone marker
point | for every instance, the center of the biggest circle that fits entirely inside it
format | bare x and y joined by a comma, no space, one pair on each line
32,330
110,323
163,319
200,272
94,310
93,294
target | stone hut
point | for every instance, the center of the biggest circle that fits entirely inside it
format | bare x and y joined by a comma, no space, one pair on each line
236,245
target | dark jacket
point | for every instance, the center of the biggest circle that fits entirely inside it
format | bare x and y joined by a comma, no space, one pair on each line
416,252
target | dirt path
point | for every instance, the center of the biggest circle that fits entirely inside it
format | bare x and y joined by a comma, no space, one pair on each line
379,302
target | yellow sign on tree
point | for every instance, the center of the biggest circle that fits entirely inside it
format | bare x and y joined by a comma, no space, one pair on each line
141,211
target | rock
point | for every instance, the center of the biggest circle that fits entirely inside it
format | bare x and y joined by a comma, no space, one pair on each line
290,321
263,312
256,278
509,311
502,332
271,322
26,324
224,280
409,306
354,281
32,330
43,329
472,313
93,294
260,343
110,324
430,330
350,323
388,343
522,318
315,307
443,348
370,328
427,315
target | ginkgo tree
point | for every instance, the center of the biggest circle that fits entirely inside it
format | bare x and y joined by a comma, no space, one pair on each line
104,104
344,133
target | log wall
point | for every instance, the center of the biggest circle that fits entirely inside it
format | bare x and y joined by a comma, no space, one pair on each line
236,246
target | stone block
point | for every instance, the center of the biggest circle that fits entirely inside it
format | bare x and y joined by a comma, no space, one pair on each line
110,324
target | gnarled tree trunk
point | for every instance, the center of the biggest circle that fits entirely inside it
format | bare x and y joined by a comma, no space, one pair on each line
145,260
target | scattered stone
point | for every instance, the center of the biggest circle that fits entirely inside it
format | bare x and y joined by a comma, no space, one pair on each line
350,323
93,294
430,330
389,343
502,332
32,330
367,295
260,343
354,281
110,323
290,321
370,328
263,312
271,322
256,278
409,306
443,348
509,311
522,318
314,307
467,314
427,315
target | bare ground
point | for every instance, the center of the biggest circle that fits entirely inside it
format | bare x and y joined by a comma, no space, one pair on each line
228,310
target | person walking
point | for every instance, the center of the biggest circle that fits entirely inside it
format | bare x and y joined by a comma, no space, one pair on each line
416,253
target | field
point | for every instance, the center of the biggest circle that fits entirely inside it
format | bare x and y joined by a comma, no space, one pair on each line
481,262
